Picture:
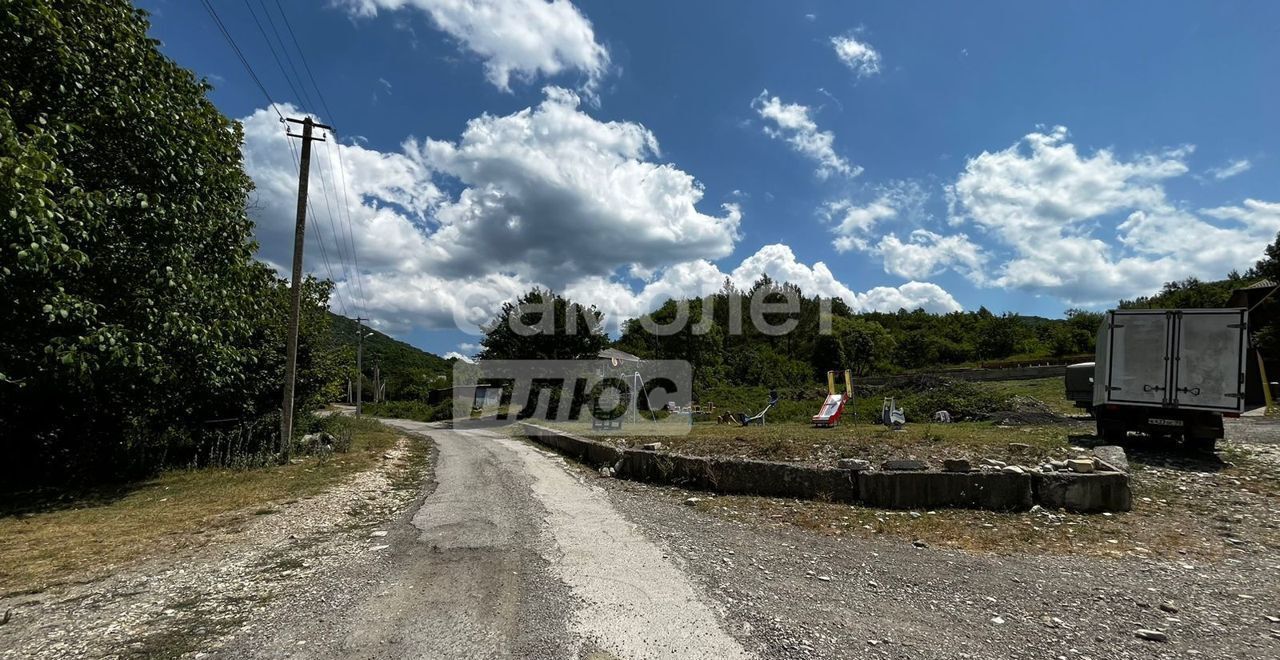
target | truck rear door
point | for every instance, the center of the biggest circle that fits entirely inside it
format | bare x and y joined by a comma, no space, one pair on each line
1208,363
1138,371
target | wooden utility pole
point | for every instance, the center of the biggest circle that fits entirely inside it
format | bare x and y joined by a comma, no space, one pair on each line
295,285
359,366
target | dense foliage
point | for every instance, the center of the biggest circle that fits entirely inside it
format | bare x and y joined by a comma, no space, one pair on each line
542,325
1190,293
722,350
135,324
1266,318
408,372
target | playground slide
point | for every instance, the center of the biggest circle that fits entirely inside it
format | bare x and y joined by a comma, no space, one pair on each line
829,415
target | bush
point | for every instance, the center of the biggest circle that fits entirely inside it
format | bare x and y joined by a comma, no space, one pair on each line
414,410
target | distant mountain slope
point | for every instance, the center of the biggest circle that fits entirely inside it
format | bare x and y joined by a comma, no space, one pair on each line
409,372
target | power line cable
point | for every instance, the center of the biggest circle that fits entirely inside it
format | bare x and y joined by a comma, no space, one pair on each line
346,204
217,21
325,182
324,256
274,55
303,97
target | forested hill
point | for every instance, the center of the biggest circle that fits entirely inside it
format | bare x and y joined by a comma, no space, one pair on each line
408,371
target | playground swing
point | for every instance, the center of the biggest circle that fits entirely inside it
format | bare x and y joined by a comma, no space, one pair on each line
636,388
833,407
759,418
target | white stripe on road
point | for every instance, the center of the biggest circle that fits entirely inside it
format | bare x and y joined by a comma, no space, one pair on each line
636,603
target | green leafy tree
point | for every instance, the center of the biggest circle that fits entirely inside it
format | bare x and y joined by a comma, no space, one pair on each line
132,305
1266,318
542,325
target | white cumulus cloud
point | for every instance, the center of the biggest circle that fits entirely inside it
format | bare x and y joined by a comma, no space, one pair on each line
446,231
791,122
515,38
1090,229
860,57
553,194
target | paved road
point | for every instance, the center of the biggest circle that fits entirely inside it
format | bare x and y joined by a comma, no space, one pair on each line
514,556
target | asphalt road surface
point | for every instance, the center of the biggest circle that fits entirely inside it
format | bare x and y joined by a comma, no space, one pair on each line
513,556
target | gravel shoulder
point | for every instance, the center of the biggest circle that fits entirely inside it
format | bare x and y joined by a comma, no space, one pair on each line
792,592
192,600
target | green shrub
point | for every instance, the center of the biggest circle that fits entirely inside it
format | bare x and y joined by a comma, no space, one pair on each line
414,410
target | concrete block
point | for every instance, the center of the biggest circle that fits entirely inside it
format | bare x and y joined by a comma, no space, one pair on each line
903,465
855,464
956,465
1083,493
931,490
1112,456
748,477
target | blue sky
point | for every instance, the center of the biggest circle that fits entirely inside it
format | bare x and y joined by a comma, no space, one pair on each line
1023,156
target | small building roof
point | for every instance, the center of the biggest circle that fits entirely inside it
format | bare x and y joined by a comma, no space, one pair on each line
617,355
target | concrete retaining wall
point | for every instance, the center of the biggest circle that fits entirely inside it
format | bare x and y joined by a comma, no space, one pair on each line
1084,493
999,491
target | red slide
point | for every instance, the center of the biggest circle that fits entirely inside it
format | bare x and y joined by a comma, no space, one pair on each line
829,415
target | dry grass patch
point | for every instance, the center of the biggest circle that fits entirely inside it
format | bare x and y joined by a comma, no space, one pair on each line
89,538
930,442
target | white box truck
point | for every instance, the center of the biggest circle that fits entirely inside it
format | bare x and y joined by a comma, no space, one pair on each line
1169,373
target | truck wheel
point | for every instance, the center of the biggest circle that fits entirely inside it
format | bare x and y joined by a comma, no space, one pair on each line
1202,444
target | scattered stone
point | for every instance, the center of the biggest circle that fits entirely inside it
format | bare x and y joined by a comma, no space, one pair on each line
606,472
956,465
1273,619
1018,447
379,547
8,614
999,621
919,544
903,465
1080,465
378,534
1169,607
1113,457
652,446
854,464
993,462
824,578
692,501
1013,469
1151,635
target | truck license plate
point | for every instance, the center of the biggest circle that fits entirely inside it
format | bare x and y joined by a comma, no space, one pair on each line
1164,422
